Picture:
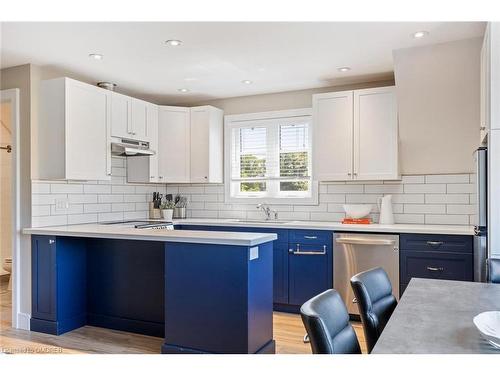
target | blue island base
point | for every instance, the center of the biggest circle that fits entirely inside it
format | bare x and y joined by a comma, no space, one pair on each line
269,348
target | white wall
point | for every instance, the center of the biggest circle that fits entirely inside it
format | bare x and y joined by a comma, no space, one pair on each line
438,99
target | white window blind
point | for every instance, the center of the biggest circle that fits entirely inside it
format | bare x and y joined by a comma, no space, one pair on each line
270,157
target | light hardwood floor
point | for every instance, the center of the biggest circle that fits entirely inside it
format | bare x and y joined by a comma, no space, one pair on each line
288,333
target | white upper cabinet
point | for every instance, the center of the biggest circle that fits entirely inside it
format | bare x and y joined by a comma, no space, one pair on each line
121,107
332,136
206,142
356,135
173,144
129,118
73,131
143,169
376,134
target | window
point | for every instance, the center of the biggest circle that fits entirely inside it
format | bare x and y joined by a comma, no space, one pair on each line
270,157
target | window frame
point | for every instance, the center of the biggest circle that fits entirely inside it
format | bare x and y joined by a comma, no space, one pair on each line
232,121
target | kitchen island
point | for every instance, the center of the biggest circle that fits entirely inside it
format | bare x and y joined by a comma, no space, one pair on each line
204,292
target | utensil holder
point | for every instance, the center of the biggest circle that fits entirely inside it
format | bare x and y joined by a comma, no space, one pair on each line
154,213
179,212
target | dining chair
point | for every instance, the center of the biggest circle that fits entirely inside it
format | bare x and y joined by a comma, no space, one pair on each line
494,270
326,320
373,292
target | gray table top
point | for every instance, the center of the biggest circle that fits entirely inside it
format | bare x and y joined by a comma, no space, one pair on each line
435,316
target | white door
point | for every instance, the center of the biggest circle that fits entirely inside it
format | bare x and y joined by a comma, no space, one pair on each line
152,136
375,134
173,144
139,119
200,145
87,131
333,136
120,116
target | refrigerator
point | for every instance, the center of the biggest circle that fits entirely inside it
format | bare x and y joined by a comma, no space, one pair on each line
481,222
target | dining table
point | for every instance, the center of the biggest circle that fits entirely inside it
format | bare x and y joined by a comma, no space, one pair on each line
436,317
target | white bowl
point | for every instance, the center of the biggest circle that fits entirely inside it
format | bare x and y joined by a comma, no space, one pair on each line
488,324
357,211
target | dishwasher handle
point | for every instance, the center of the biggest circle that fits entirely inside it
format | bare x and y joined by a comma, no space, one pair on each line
364,241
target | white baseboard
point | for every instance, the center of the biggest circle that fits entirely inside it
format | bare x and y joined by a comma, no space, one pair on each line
23,321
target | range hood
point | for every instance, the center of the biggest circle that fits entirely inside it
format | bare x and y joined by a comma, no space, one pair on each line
127,147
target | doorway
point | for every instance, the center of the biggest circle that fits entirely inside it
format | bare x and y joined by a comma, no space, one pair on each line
9,204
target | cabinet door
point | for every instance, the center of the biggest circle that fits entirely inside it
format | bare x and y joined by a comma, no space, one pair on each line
87,132
139,119
43,278
280,273
173,144
120,116
152,136
308,275
435,265
375,134
200,150
332,136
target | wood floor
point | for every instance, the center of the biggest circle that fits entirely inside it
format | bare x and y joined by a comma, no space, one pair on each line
288,333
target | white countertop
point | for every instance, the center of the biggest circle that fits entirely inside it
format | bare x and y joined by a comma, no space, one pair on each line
337,226
130,233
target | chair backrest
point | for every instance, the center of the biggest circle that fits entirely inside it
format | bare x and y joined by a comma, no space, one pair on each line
494,270
326,320
373,291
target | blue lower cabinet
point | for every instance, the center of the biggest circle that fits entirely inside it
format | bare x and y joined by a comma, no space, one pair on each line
58,299
448,257
309,270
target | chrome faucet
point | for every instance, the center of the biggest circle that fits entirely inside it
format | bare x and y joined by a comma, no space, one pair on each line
267,211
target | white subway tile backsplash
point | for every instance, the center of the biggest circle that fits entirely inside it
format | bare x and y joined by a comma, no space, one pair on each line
461,188
424,208
417,199
447,219
97,189
425,188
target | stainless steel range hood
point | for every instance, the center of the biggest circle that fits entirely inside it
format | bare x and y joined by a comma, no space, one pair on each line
127,147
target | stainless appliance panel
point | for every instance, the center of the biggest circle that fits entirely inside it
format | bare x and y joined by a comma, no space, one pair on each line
354,253
482,187
480,256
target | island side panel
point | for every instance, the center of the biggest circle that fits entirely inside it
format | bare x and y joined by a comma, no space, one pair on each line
126,285
58,284
206,298
260,299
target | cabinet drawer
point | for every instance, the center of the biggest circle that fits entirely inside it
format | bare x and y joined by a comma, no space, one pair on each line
311,237
433,242
437,265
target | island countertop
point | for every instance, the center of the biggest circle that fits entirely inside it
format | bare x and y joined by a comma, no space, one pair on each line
186,236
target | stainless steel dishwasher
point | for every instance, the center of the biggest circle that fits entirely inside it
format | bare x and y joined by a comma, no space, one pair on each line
354,253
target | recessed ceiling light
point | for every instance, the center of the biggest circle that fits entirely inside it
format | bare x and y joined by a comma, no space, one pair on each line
174,42
183,90
344,69
247,82
420,34
96,56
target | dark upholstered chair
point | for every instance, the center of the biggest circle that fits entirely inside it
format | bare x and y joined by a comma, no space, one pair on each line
373,291
326,320
494,270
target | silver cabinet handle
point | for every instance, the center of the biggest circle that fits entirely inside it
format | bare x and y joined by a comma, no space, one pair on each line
435,269
310,237
160,177
315,252
355,300
434,243
51,242
349,173
363,241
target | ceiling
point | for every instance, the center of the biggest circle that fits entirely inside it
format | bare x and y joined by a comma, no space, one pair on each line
216,57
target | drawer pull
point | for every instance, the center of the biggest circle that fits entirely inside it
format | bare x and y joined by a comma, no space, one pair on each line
434,243
315,252
51,242
435,269
310,237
